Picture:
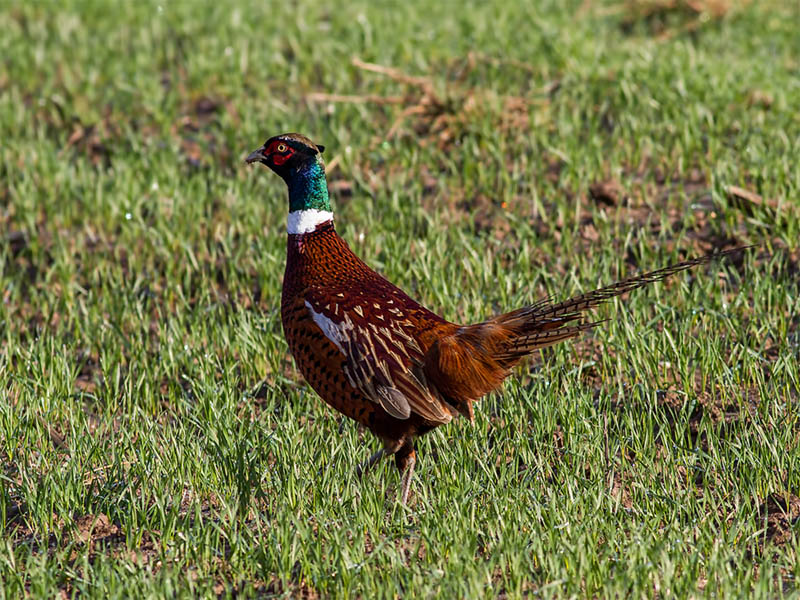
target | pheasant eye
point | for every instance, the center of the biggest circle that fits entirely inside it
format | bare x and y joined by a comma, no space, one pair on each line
282,148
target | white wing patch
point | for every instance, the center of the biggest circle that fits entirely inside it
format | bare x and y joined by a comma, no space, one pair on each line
335,332
384,363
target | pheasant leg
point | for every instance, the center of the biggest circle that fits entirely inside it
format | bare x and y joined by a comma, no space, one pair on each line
364,468
405,459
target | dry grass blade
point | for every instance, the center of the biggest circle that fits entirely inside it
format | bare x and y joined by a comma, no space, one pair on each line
396,74
441,117
354,99
748,201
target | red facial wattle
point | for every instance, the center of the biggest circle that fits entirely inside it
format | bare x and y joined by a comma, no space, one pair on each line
279,159
280,152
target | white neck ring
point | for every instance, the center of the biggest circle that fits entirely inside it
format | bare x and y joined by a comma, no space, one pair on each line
306,221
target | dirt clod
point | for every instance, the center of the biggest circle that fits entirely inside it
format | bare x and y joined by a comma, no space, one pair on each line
91,528
607,192
781,512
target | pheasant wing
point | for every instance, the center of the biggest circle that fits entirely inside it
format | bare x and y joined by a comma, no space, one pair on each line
384,360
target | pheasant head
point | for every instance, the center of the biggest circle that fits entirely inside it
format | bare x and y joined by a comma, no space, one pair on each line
299,162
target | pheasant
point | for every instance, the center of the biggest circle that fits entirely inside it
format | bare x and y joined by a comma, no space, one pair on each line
376,355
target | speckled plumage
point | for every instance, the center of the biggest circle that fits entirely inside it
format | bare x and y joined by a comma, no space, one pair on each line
379,357
322,274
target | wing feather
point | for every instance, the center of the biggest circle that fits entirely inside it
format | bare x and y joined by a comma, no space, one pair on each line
384,362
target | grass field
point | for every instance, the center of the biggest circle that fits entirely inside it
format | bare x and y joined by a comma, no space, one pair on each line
155,438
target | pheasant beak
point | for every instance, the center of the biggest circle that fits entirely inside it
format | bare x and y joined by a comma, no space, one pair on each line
256,156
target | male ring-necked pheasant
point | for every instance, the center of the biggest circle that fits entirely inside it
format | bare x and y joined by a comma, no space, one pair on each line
371,351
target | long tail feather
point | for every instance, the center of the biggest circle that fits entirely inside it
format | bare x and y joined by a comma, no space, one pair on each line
475,359
572,307
543,323
526,344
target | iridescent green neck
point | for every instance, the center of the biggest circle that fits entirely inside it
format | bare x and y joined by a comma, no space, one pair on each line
308,188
